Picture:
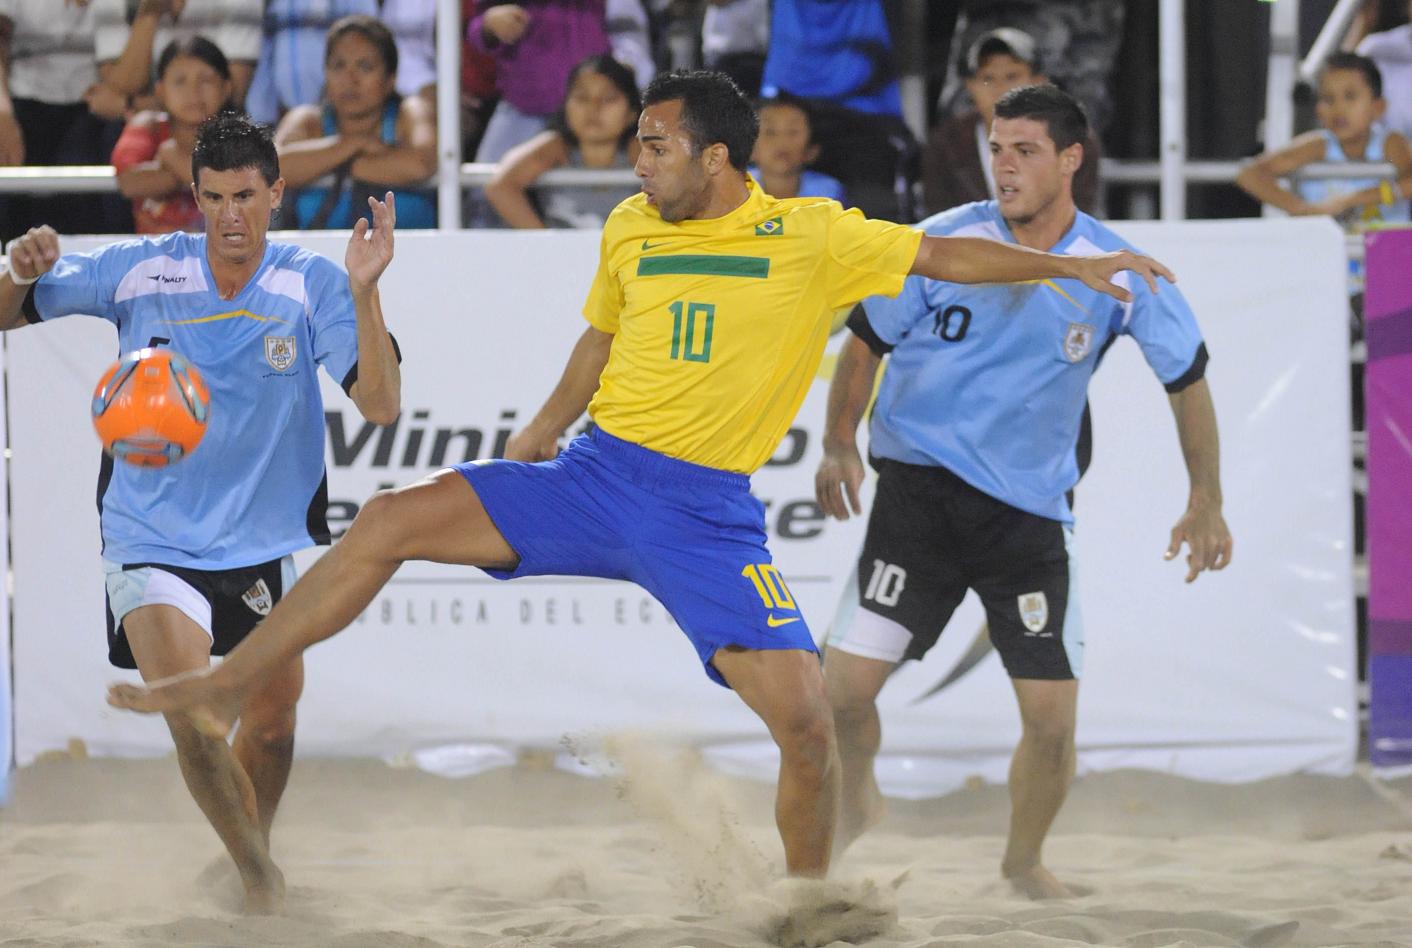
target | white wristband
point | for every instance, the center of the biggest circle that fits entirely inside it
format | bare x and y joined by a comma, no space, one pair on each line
15,278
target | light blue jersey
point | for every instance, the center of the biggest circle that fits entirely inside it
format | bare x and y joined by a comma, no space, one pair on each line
990,381
254,489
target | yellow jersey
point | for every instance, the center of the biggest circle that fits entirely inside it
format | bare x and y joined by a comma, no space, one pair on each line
719,325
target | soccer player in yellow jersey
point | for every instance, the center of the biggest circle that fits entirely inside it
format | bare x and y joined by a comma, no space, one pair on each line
707,319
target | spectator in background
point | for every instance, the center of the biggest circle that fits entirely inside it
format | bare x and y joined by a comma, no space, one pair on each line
735,35
478,94
534,45
1392,52
127,34
839,57
290,70
956,166
362,141
784,149
1077,39
1349,108
595,128
153,157
47,74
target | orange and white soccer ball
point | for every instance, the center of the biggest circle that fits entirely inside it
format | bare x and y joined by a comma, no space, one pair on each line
150,408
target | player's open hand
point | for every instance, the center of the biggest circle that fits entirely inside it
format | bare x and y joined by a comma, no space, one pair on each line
1097,272
1207,538
842,467
370,248
33,253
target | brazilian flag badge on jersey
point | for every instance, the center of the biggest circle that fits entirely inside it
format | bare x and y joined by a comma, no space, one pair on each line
770,228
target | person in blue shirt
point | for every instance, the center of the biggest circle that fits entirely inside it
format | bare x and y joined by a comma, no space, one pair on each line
197,553
784,150
973,436
840,57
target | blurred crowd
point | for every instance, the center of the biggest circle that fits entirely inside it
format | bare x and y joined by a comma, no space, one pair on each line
349,87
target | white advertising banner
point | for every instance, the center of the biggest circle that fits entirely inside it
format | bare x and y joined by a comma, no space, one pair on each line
1239,676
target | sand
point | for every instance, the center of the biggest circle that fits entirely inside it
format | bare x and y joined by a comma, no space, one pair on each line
105,852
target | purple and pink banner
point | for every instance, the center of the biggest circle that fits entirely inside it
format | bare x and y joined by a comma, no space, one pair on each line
1388,379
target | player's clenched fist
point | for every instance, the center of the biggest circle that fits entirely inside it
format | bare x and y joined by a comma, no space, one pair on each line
32,254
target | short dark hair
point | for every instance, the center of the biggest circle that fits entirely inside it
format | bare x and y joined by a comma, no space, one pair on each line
713,109
788,100
1355,63
197,47
371,29
1061,112
229,141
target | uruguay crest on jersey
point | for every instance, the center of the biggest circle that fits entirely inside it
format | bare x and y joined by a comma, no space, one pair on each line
279,351
1077,341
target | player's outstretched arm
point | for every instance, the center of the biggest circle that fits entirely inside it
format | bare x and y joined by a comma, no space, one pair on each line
977,260
840,472
539,440
378,389
31,255
1201,527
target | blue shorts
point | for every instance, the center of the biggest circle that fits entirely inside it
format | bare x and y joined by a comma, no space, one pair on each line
692,536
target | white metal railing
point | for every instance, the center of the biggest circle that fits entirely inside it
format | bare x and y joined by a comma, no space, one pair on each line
100,179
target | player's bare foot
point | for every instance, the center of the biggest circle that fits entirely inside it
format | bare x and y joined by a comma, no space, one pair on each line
857,814
266,896
1037,882
198,695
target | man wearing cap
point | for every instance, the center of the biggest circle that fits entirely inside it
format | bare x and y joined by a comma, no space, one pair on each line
956,163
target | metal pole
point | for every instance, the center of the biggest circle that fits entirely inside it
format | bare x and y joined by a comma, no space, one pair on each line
1171,36
912,81
1329,38
1279,83
448,114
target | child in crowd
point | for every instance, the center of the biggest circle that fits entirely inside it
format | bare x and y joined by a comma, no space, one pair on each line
152,157
595,128
1349,109
785,148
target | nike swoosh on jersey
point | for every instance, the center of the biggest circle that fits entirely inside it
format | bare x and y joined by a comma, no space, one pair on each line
648,246
776,623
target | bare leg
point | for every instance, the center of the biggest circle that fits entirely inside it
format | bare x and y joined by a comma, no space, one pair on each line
786,688
1040,774
853,684
166,642
264,742
439,519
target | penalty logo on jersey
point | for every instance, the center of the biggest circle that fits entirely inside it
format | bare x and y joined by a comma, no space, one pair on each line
259,598
1034,610
279,352
1077,341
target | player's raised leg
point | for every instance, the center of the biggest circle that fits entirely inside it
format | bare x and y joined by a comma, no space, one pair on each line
1040,774
853,683
166,642
786,688
439,518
